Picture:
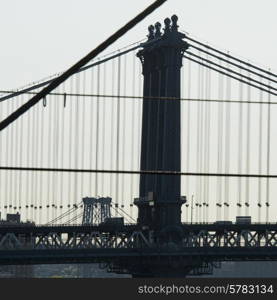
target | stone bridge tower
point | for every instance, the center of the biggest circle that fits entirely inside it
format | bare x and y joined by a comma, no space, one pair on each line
160,198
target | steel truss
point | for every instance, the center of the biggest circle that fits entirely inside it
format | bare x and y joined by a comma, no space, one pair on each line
83,238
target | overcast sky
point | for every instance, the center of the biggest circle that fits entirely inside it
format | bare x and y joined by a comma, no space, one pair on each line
39,38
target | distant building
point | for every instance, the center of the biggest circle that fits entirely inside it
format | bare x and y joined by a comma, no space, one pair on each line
13,218
15,271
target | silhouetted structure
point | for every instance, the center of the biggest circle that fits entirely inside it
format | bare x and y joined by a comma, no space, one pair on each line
96,210
160,196
15,271
158,244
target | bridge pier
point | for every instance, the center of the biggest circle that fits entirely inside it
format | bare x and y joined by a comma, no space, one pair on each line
160,201
160,198
161,267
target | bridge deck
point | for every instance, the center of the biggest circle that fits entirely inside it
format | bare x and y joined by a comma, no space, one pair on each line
187,227
57,256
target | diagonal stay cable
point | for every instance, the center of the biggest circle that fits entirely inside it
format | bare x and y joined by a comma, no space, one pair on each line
231,76
124,212
41,84
240,66
149,172
102,59
29,89
232,71
64,214
73,219
56,82
232,57
117,212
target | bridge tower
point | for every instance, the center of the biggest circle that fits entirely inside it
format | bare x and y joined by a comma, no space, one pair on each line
160,200
96,210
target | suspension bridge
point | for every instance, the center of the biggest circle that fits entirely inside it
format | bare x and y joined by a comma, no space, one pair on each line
155,160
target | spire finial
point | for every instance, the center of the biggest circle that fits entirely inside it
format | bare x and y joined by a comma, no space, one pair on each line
151,32
174,26
158,29
167,22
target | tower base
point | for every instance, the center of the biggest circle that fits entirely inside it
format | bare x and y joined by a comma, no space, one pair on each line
163,267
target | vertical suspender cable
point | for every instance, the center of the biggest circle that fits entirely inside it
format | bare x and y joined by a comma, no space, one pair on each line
267,204
28,164
83,130
56,147
260,146
204,144
123,194
4,155
240,148
62,154
76,142
198,153
227,146
36,156
118,133
97,131
207,143
52,142
91,135
103,135
112,128
32,150
12,173
122,136
7,137
133,134
188,144
248,139
20,198
201,145
11,150
16,175
50,124
6,174
41,185
70,144
219,153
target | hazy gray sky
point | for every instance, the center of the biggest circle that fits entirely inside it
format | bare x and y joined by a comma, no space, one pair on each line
39,38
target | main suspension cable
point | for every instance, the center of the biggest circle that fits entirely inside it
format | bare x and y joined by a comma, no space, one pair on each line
232,63
231,71
72,70
146,172
232,57
234,77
